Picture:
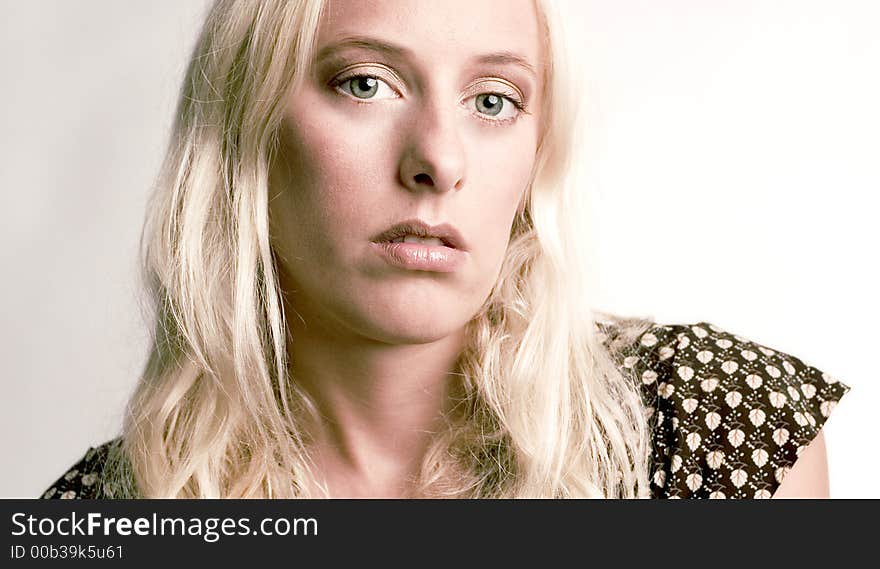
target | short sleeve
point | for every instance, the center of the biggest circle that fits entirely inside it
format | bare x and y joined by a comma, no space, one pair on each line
730,416
82,481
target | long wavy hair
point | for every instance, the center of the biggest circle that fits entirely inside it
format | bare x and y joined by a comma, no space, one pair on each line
545,408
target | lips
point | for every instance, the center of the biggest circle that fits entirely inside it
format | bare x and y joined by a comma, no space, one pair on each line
445,232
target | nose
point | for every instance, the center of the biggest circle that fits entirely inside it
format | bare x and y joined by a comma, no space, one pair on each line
433,157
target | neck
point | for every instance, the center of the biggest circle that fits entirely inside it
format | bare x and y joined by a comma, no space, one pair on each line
379,404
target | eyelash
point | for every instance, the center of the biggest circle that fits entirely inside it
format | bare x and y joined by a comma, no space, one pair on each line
509,96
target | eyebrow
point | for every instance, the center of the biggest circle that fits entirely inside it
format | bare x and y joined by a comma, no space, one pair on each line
392,50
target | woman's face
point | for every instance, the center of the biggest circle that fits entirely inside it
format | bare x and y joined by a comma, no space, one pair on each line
411,112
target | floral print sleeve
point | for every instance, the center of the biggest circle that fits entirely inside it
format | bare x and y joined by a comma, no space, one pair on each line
730,416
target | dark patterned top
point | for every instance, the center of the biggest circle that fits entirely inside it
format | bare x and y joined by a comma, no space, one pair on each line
729,416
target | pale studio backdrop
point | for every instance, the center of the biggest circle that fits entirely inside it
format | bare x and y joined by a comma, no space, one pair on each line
732,147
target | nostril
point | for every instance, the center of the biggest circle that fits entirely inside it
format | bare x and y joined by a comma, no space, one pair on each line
424,179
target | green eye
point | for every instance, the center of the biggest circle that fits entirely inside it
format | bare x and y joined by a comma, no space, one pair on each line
491,102
365,87
498,108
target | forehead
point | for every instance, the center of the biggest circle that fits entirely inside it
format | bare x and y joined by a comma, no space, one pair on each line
439,30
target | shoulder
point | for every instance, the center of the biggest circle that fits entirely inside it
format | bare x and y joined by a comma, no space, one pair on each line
84,479
730,416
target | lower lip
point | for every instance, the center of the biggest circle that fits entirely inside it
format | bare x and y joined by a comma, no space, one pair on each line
419,257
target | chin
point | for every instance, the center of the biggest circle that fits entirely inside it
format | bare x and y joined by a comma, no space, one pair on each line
416,323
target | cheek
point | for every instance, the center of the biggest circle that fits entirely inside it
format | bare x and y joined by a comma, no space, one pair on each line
325,194
499,181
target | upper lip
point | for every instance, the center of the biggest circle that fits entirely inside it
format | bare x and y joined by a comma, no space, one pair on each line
443,231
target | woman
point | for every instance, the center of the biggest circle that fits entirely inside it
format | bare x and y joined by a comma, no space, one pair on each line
365,258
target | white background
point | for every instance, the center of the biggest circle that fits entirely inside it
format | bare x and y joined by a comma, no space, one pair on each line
733,149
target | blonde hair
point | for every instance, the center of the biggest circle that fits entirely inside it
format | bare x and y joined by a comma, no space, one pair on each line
545,408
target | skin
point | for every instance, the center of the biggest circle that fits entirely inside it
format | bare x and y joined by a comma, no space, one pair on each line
808,477
375,345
